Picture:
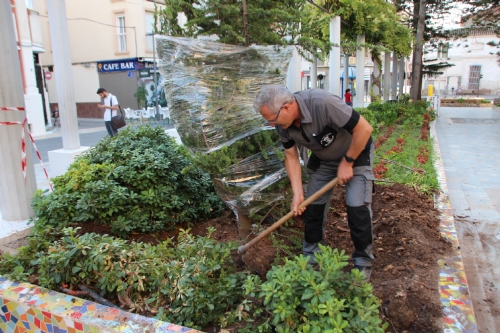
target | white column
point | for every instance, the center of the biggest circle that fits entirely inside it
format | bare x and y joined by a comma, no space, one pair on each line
394,77
32,97
293,75
401,74
61,159
63,74
359,99
314,72
15,194
387,76
334,77
346,74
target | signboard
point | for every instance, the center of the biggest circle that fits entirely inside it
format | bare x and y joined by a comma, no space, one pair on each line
48,75
130,74
144,72
123,65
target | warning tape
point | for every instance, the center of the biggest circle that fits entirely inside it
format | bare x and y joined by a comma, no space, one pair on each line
23,143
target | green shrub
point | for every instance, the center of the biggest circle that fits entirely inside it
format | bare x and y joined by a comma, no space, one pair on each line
298,298
370,117
135,181
484,101
194,283
461,100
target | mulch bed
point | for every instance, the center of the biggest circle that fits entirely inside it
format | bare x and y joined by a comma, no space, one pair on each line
407,247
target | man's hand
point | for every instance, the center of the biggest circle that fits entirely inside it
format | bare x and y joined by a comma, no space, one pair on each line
297,200
102,106
345,172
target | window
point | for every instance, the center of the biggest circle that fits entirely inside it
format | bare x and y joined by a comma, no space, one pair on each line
474,75
121,34
150,21
443,50
29,4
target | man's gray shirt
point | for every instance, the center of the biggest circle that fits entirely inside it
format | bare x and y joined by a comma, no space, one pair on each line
326,125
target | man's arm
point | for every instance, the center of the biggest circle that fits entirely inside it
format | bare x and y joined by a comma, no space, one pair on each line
294,171
360,135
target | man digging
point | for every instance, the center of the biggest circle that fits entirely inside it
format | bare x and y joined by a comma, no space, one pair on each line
341,145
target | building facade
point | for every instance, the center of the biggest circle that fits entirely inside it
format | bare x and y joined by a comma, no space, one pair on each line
111,45
476,68
30,48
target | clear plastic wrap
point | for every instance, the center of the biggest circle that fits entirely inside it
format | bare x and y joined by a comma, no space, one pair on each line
210,88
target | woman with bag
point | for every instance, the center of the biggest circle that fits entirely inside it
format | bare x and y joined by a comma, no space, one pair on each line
110,107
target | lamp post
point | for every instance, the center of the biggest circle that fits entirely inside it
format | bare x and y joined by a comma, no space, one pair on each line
157,114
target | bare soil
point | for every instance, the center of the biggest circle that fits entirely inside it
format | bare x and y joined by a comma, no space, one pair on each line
407,247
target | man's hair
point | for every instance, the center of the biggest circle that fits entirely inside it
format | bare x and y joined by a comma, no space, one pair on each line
100,90
273,96
347,90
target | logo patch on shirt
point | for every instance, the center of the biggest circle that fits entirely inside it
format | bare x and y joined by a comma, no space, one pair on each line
327,136
327,139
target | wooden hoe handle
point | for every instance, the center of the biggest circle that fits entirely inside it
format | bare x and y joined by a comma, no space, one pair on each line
243,248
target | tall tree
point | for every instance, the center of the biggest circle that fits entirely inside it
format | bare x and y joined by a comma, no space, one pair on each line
433,34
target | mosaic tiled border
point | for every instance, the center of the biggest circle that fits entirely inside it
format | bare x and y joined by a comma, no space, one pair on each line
458,314
26,308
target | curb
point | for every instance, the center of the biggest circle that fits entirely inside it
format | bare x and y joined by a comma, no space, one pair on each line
458,313
28,308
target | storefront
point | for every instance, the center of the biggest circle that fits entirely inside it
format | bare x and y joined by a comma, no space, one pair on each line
123,77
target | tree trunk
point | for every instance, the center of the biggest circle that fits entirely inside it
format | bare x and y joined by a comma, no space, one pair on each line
245,22
376,87
416,79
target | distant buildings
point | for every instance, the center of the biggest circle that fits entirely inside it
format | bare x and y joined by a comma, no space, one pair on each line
110,48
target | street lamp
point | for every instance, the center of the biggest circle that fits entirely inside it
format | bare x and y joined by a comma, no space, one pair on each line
157,113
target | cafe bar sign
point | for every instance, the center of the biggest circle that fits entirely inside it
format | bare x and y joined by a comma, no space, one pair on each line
123,65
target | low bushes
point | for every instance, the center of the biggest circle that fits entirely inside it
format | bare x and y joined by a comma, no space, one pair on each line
299,298
136,181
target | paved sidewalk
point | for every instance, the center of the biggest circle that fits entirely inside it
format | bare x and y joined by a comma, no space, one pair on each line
469,140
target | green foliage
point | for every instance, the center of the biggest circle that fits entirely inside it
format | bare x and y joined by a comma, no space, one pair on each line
192,284
461,100
141,96
299,298
220,160
407,160
370,117
484,101
132,182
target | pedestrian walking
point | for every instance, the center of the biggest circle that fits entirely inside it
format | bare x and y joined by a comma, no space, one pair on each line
110,106
348,97
341,145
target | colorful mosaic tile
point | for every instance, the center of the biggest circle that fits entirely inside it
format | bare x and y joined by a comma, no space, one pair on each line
26,308
458,314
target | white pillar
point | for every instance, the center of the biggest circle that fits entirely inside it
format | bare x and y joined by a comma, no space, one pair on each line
293,75
346,74
387,76
394,77
15,194
314,72
63,74
334,79
401,74
61,159
32,97
359,99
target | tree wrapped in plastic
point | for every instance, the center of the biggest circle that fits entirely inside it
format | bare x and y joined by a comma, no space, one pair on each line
210,88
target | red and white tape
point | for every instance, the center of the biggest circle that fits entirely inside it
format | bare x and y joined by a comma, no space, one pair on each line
23,143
